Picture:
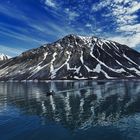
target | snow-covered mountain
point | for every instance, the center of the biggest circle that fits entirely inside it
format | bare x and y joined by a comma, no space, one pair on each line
4,57
74,57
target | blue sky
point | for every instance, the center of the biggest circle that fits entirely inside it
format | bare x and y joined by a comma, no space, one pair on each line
26,24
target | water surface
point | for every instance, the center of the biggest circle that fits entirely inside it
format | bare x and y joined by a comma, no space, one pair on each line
79,110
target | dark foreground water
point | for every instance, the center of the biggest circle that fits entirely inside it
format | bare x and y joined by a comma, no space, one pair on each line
81,110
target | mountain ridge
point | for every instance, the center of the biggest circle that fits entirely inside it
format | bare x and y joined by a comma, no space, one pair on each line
4,57
74,57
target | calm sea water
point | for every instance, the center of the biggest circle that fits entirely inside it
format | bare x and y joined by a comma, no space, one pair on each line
79,110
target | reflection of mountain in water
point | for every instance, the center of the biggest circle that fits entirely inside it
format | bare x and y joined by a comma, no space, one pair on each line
75,104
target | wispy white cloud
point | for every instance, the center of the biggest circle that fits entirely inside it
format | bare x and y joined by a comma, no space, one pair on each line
16,14
34,24
134,6
62,20
123,11
10,51
20,33
18,36
124,14
51,3
135,28
72,15
15,31
88,25
131,40
98,6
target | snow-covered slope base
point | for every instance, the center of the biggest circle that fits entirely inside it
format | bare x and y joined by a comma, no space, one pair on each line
74,57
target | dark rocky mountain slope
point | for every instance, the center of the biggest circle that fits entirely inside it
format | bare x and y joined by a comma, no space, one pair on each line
74,57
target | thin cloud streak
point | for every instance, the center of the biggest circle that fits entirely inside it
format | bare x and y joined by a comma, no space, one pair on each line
11,51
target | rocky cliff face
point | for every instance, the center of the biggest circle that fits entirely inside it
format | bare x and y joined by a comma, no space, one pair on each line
74,57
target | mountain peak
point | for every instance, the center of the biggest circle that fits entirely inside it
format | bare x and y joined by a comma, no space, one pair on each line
74,57
4,57
75,36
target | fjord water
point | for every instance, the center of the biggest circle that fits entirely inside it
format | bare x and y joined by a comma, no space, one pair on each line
79,110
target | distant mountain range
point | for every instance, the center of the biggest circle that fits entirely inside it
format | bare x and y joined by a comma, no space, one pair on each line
4,57
74,57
